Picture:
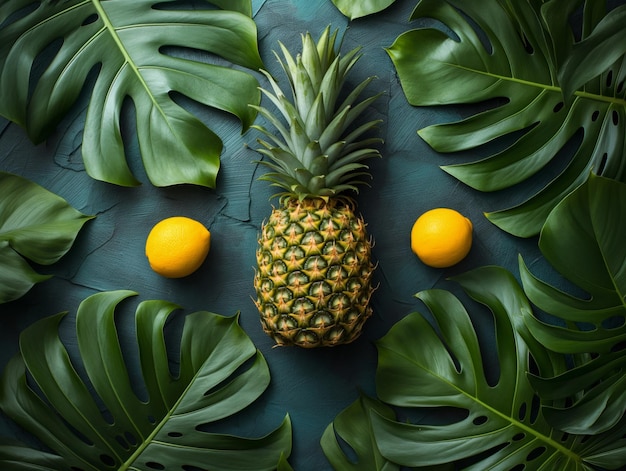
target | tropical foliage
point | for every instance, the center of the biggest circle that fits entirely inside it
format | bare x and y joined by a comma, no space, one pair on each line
87,410
583,239
546,91
118,51
547,393
498,423
573,361
35,224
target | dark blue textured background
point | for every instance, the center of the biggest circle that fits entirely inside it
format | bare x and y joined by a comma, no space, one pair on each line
313,386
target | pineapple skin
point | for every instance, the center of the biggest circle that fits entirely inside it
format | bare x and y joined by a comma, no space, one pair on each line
314,276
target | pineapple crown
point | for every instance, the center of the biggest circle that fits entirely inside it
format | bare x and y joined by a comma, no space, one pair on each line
317,152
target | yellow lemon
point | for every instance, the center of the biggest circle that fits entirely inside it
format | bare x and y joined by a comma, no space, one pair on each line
177,246
441,237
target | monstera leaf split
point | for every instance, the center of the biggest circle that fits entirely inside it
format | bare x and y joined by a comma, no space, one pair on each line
89,413
125,46
549,96
583,239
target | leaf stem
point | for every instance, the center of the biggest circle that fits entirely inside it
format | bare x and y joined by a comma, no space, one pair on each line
559,447
552,88
127,58
127,465
553,443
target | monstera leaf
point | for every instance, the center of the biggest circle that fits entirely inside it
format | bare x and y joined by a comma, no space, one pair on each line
353,427
354,10
104,420
583,239
440,365
119,50
36,224
505,58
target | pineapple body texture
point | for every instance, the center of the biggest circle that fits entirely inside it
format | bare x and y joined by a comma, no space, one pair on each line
313,280
314,273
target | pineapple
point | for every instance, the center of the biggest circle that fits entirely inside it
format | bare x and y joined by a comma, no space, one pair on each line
314,275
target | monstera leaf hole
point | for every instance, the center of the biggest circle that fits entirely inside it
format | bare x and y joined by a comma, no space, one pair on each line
90,19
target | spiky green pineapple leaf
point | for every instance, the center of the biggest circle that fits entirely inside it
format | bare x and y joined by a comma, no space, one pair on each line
316,151
424,365
35,224
220,373
121,47
512,52
583,239
354,10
